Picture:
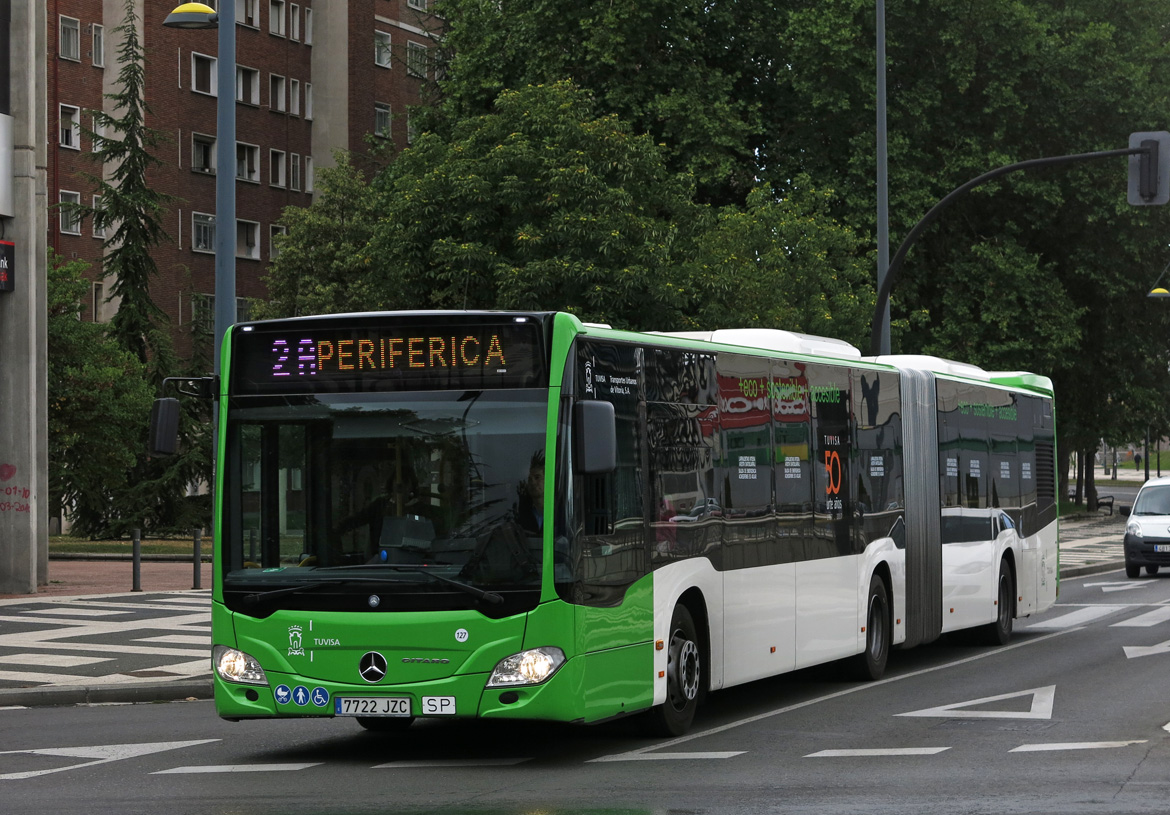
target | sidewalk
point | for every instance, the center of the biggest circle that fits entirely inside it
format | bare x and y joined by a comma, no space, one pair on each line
86,638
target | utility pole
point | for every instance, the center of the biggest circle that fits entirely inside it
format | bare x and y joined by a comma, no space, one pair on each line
24,479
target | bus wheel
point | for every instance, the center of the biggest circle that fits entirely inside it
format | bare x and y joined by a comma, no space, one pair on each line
684,677
871,664
385,724
1000,631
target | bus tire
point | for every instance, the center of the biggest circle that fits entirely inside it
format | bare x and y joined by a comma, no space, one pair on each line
870,664
1000,631
684,677
385,724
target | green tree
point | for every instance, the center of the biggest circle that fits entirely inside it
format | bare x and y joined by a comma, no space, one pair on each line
99,402
699,77
782,264
539,204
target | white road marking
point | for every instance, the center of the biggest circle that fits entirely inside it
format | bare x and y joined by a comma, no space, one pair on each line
1074,745
877,752
102,753
76,612
1134,651
51,660
635,755
451,763
666,756
1042,699
179,639
1073,619
1120,585
238,768
1150,618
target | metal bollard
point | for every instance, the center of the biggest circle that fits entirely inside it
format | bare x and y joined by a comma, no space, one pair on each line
137,559
198,584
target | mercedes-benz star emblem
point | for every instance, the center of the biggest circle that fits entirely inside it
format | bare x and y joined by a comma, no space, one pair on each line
374,600
372,667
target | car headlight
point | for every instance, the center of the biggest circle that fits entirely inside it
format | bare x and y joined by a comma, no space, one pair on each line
236,666
1133,528
527,668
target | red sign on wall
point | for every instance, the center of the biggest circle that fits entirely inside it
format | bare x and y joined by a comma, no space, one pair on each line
7,266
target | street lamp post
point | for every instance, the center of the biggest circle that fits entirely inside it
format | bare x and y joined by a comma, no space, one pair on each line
198,15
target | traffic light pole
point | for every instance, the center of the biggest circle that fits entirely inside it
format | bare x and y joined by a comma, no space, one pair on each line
876,346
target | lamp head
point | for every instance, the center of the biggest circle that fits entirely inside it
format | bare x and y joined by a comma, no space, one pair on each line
192,15
1158,292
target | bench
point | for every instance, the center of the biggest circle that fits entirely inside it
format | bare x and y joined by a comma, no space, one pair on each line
1103,501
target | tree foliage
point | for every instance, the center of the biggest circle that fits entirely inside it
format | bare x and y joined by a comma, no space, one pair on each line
99,403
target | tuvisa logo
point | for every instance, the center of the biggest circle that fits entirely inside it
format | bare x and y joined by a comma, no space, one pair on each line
296,647
326,641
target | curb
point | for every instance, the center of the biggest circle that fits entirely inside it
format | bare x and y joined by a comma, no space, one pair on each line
117,556
1092,568
144,693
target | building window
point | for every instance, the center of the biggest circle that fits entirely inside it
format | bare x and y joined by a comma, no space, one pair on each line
99,133
382,48
203,313
308,173
98,232
308,98
247,239
70,218
295,172
203,153
247,162
381,119
275,231
294,22
276,168
308,26
276,93
421,5
248,13
416,59
294,97
99,46
70,130
203,74
276,17
70,38
202,232
247,85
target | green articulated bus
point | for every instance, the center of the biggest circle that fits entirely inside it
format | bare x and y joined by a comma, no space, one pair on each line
520,515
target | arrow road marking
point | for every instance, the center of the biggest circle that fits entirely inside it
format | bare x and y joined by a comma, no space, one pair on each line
892,751
103,753
1124,585
1042,699
1134,651
1074,745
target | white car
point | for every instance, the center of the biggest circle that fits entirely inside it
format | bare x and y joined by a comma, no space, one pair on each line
1147,533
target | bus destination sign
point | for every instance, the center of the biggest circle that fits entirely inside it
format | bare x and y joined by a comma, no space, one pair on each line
337,358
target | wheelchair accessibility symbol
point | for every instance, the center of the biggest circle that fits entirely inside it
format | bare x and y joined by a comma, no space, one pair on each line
320,697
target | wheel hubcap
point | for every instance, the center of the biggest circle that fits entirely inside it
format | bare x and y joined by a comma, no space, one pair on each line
683,671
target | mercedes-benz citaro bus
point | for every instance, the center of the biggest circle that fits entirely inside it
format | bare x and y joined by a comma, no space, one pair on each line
520,515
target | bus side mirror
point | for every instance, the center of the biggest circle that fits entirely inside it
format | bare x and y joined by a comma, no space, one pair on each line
164,427
594,437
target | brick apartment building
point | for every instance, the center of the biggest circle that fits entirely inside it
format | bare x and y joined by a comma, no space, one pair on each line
311,76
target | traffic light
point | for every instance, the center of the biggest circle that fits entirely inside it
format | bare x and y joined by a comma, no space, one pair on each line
1149,171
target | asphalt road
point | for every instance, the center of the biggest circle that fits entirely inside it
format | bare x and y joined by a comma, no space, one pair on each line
1070,718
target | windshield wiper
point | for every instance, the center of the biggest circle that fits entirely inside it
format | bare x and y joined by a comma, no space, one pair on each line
256,597
492,597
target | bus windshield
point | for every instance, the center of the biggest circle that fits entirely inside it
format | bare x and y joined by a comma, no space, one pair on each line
422,493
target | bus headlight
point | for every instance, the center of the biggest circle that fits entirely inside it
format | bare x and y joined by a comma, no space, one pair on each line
236,666
527,668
